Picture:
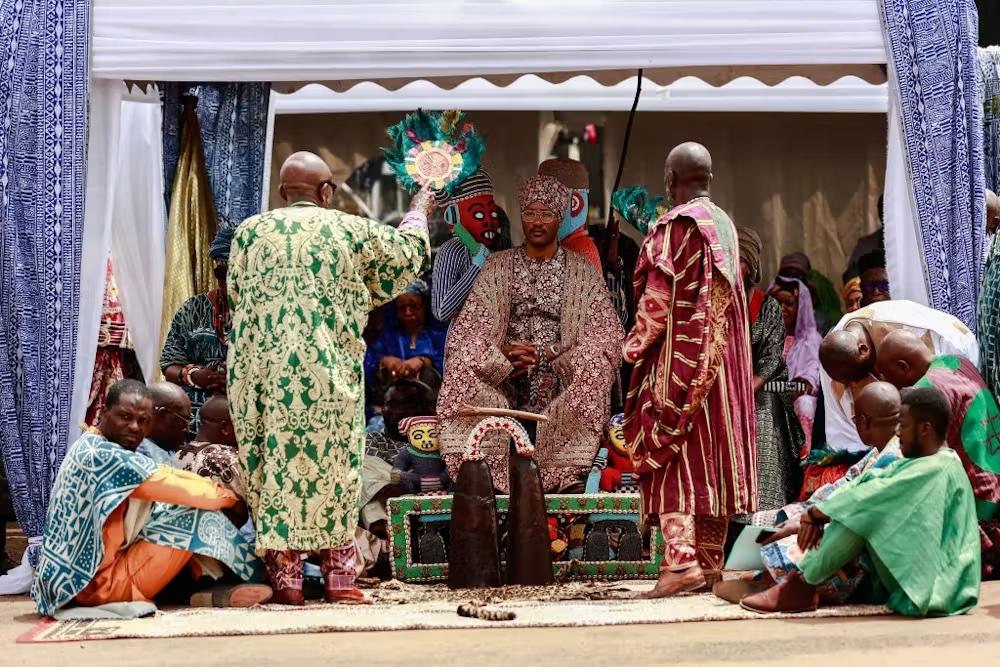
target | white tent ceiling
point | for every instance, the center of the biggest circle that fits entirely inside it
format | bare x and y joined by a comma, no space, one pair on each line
345,41
797,94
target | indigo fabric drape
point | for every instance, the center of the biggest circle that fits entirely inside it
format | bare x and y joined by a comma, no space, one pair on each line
43,150
233,119
932,47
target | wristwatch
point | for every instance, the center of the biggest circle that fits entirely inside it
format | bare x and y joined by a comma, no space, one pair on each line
555,350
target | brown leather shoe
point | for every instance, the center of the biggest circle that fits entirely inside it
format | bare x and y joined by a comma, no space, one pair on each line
734,590
289,596
791,596
349,596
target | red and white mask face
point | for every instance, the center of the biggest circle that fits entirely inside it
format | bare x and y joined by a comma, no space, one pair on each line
480,217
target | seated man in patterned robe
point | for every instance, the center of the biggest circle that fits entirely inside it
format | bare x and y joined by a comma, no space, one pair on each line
537,333
214,453
120,527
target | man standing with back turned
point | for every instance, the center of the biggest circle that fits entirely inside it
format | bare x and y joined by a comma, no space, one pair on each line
689,412
302,280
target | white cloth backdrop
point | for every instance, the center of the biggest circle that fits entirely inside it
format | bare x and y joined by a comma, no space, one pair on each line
102,173
350,40
139,223
902,248
125,213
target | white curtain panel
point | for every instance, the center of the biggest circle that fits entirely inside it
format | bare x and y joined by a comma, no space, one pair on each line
102,150
139,222
331,40
903,251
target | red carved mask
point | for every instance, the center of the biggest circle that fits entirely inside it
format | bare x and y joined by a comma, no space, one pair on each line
481,218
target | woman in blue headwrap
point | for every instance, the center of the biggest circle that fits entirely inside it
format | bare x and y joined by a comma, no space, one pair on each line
411,345
194,352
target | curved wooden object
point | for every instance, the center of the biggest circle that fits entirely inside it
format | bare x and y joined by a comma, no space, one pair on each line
529,547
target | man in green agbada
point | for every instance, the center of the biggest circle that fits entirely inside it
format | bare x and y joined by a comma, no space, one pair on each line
915,518
301,281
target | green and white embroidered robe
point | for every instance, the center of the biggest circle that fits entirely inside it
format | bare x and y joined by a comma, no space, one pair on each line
302,281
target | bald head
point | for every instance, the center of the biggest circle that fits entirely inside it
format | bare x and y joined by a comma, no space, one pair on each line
878,400
841,357
216,423
903,358
688,172
992,212
171,415
306,177
876,414
169,395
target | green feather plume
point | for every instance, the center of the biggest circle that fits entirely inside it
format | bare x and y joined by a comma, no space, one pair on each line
635,205
421,126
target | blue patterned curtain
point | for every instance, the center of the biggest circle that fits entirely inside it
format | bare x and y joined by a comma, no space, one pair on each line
933,55
233,118
43,97
989,81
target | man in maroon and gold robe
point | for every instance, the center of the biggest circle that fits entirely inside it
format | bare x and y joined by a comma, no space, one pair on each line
689,415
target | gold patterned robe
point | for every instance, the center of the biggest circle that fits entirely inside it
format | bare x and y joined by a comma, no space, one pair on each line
302,281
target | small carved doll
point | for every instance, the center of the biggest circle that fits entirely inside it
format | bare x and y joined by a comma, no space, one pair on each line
419,467
618,471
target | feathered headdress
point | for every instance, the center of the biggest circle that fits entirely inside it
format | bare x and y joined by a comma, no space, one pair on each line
635,205
439,148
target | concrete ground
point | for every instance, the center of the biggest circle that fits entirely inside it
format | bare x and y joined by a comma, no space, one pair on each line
968,640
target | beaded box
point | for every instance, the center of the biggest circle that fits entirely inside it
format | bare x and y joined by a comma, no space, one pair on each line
614,513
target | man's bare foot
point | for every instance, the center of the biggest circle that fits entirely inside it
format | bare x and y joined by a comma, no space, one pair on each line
672,583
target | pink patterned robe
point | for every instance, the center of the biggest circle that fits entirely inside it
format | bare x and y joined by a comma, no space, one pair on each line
562,300
689,415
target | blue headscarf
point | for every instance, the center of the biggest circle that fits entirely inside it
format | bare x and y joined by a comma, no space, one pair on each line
419,286
219,250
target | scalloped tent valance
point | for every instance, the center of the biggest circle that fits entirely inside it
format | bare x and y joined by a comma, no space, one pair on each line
343,42
531,93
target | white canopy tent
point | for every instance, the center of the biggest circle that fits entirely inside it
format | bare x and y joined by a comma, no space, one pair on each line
344,42
347,41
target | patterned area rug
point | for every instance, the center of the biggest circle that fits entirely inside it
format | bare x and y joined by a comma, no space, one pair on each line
398,606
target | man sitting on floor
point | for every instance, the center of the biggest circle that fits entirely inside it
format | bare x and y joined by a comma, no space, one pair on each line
120,527
915,519
974,433
169,425
876,413
214,454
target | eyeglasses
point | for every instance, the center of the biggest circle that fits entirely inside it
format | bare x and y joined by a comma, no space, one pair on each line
186,420
333,186
545,217
880,285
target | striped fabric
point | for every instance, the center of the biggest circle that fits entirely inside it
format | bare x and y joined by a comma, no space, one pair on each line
689,410
454,274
